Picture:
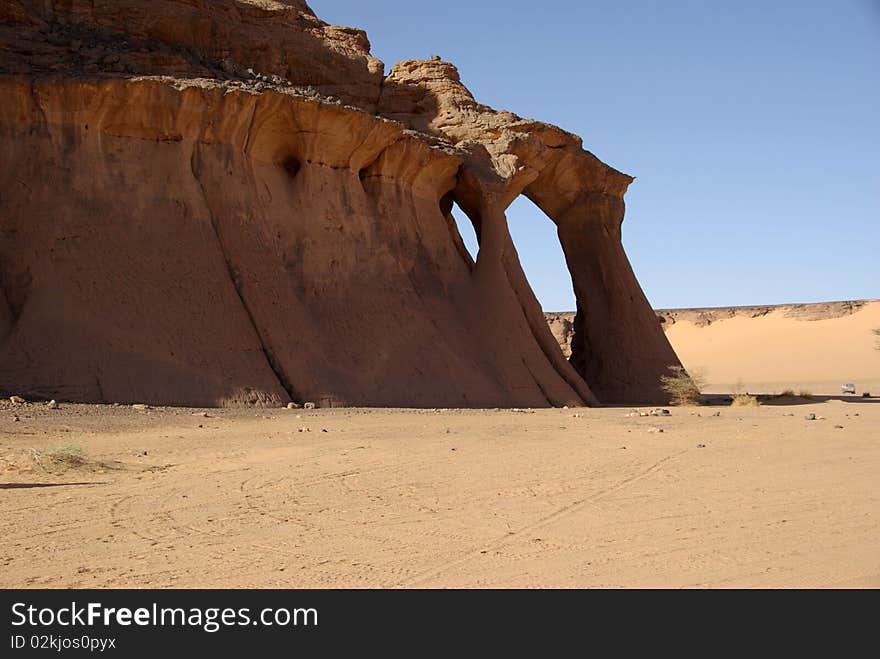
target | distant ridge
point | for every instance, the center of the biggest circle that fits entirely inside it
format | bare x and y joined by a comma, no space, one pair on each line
562,322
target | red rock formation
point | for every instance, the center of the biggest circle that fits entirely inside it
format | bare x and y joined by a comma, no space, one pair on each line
190,215
618,346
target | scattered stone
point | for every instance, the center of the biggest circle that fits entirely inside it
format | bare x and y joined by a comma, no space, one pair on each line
15,418
810,417
655,430
309,406
52,404
292,406
659,412
140,406
717,414
324,430
17,400
838,427
701,446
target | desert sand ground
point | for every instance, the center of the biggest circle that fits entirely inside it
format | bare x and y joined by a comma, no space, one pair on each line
755,497
779,351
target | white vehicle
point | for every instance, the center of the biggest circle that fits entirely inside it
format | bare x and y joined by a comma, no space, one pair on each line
848,388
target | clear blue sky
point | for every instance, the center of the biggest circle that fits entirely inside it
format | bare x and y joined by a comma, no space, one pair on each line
753,128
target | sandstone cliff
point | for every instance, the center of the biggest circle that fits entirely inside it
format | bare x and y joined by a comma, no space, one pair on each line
226,202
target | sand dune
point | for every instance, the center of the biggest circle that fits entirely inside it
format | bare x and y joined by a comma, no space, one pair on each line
769,349
782,349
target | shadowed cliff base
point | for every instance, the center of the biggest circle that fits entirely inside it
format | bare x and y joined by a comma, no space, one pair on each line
225,203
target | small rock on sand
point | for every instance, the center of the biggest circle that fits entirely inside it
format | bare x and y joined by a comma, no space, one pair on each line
17,400
292,406
140,406
52,404
810,417
309,406
655,430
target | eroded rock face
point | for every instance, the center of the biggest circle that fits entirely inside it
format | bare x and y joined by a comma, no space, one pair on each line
220,39
617,346
210,203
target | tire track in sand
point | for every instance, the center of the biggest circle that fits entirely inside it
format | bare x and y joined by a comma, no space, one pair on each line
559,513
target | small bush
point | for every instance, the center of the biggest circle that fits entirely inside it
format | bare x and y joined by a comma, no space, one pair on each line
683,387
744,400
788,393
65,457
803,393
877,334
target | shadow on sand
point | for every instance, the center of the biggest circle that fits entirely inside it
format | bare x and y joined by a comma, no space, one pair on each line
27,486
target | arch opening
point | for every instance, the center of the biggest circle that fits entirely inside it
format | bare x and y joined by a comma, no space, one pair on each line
462,228
541,255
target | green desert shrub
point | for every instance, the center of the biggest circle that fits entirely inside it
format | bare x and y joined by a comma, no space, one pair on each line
683,388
